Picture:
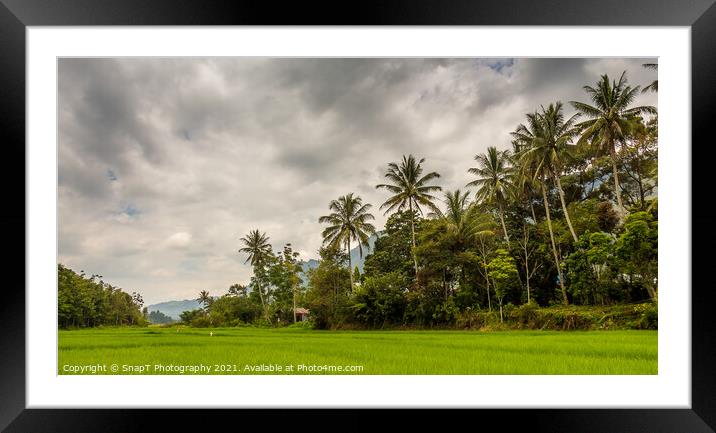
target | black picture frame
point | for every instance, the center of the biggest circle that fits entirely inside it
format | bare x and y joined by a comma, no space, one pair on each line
16,15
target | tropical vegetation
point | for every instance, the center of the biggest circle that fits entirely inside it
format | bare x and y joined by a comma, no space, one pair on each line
566,217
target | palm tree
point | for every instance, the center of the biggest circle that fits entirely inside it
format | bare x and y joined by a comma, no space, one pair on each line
466,225
410,189
204,298
463,219
610,119
456,217
348,221
654,86
533,164
493,180
543,187
546,140
258,249
522,180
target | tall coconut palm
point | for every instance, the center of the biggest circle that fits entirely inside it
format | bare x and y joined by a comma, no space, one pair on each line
258,249
493,182
522,180
654,86
610,119
532,164
547,137
347,222
410,190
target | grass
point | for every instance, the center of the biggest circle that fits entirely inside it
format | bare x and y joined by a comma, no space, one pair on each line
251,350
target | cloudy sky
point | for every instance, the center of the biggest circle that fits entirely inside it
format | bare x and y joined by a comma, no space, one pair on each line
165,163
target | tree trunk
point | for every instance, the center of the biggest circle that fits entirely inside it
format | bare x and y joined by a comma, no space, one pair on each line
532,209
504,228
265,304
412,231
487,279
350,269
641,185
564,207
651,291
501,312
294,303
554,247
615,173
527,275
445,288
261,295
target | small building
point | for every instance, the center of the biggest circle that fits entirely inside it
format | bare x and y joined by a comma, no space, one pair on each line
301,314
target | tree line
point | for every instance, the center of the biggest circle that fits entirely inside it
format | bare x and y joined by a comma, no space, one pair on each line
568,215
84,301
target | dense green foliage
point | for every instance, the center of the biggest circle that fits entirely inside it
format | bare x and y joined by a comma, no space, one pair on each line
377,352
567,216
159,318
88,301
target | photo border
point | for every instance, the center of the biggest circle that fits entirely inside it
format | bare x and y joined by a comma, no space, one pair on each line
16,15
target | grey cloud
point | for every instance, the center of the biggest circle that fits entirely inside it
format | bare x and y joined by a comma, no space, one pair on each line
206,149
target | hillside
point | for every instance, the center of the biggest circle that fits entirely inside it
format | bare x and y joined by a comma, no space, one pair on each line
174,308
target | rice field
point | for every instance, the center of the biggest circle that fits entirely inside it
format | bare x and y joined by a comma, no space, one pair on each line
306,351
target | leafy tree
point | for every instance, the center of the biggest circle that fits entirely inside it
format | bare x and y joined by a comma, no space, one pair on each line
528,248
411,190
328,289
381,299
233,310
392,250
589,268
485,243
348,221
610,119
637,249
88,302
503,273
160,318
285,277
237,290
188,317
639,165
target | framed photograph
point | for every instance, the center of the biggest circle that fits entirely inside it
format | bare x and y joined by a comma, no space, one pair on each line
417,206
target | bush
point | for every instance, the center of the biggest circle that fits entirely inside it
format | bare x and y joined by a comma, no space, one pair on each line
200,322
649,318
525,315
531,316
478,319
301,325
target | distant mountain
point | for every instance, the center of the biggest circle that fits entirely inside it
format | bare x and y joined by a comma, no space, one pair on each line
310,264
174,308
356,259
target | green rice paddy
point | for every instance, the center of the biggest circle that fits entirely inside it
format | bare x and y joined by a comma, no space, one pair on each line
306,351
